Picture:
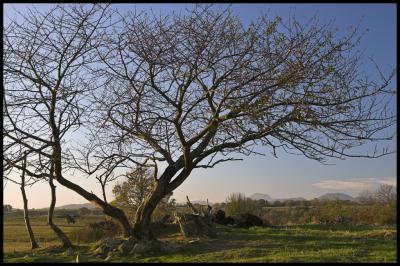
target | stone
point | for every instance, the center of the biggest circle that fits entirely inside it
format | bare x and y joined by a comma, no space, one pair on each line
112,242
102,250
193,241
69,252
169,248
81,258
126,246
142,247
246,220
97,245
138,248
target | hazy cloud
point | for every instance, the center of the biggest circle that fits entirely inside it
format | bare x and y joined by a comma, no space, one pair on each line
355,183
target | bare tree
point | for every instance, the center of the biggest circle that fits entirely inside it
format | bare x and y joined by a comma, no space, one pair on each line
23,182
386,194
39,170
192,91
181,92
66,243
49,67
366,196
34,244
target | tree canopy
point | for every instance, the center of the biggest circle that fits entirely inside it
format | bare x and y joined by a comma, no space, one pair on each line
185,90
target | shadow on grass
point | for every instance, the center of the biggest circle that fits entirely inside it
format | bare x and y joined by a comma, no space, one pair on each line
296,238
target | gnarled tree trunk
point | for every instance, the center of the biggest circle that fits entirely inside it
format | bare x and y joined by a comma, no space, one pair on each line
142,226
34,244
108,209
60,234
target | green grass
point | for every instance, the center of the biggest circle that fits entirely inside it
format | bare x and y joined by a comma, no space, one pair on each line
15,236
305,243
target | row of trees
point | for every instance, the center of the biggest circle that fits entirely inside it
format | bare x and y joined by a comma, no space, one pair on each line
379,207
89,91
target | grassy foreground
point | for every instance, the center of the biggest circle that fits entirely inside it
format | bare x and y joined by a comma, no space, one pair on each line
303,243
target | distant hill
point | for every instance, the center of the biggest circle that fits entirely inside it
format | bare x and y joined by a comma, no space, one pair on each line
201,202
336,196
258,196
77,206
287,199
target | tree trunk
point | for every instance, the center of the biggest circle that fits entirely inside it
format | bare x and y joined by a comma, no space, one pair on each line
60,234
108,209
103,188
34,244
142,226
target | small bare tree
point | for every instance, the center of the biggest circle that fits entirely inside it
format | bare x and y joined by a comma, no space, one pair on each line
49,67
66,242
386,194
34,244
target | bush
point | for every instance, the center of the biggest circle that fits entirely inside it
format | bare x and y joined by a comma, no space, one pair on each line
237,204
95,231
247,220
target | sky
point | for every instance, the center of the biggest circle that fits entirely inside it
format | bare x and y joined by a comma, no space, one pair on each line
287,175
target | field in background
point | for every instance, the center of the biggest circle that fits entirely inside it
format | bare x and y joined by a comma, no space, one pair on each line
15,236
302,243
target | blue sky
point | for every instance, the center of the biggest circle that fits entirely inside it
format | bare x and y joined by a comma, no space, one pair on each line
287,175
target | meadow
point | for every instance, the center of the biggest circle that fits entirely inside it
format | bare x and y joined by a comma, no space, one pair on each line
294,243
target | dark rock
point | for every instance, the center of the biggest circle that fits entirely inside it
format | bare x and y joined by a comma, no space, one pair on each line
169,247
247,220
141,248
69,252
81,258
229,221
125,247
220,218
112,242
161,223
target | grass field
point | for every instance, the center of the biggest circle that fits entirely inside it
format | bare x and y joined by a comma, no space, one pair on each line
302,243
15,236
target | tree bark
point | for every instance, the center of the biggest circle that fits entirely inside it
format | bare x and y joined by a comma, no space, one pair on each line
142,226
60,234
108,209
34,244
103,188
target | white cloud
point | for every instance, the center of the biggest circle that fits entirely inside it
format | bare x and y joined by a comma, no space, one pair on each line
355,183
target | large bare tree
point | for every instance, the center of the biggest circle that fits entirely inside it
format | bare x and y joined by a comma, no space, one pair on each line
180,92
195,90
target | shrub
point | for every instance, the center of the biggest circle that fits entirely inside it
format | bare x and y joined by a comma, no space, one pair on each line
237,204
95,231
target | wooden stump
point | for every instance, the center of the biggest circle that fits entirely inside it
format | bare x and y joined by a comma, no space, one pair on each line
197,223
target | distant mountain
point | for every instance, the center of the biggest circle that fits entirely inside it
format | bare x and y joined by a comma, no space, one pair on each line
336,196
77,206
287,199
201,202
258,196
